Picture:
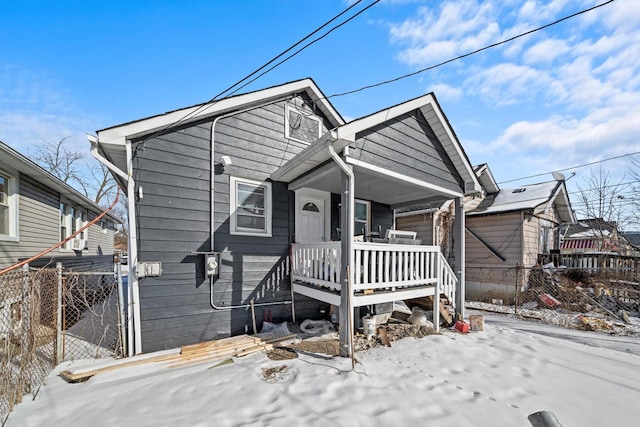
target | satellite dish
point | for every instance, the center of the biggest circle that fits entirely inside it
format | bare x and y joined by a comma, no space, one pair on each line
558,176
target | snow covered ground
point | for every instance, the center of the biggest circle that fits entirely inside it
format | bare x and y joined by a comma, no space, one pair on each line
496,377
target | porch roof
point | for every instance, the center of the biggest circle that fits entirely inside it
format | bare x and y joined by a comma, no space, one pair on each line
313,167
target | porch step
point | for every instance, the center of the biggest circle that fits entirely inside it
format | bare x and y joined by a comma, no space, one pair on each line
426,303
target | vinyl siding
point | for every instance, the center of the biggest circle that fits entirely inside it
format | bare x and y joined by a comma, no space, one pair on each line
174,223
39,229
501,232
532,228
422,224
407,144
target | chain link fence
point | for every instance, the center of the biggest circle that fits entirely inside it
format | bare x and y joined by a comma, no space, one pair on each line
593,298
48,316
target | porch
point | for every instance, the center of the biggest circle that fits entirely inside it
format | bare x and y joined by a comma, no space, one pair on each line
382,273
401,156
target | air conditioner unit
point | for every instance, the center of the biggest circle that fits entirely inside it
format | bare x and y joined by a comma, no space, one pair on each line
79,244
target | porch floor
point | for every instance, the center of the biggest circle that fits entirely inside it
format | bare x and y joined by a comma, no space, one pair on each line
380,295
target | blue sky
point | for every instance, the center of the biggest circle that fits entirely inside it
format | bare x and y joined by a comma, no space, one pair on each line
558,98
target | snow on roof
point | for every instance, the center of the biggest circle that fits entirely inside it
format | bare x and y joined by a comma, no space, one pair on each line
511,199
590,233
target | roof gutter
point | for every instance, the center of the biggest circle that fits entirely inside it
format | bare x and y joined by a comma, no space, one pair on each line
134,338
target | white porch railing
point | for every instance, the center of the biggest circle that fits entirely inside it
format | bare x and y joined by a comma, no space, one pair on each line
379,267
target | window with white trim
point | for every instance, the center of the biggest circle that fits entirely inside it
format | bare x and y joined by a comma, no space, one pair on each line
71,220
362,215
250,207
8,207
300,125
66,225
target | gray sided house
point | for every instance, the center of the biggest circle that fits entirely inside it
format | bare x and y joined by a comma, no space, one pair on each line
267,205
38,210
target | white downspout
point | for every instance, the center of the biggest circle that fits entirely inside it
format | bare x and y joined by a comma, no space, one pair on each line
134,339
346,292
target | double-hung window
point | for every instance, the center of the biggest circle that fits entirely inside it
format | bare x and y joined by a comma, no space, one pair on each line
250,206
8,207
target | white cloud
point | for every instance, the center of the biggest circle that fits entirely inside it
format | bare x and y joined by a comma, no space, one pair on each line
33,110
446,92
603,131
507,83
537,11
545,51
456,28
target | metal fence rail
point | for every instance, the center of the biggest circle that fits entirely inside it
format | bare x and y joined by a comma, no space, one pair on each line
48,316
605,293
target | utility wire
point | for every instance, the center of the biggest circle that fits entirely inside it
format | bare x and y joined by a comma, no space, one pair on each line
572,167
302,48
213,100
469,53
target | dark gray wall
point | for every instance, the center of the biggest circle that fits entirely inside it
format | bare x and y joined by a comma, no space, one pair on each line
174,222
401,145
381,216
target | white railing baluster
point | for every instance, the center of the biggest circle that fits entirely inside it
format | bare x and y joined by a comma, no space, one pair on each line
365,265
378,266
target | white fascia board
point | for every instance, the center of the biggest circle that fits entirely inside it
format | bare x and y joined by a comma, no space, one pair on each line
348,131
561,192
377,170
451,143
155,123
310,157
418,212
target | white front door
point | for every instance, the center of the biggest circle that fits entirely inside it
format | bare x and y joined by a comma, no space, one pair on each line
310,219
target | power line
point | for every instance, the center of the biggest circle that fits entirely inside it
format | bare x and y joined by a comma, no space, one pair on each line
304,47
213,100
469,53
572,167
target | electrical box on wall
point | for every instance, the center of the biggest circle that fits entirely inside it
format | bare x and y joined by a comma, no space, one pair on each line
212,264
149,269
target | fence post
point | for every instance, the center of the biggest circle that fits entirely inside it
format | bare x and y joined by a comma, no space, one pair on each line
121,311
515,309
59,304
26,334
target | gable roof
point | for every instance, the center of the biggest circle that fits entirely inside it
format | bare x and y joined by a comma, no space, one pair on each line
112,140
316,153
591,228
535,198
23,165
486,179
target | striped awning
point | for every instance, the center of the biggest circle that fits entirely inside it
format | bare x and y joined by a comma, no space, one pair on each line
578,244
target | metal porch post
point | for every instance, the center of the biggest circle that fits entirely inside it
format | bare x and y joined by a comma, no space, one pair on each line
459,253
346,241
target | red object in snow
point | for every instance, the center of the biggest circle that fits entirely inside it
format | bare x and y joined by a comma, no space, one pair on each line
548,300
462,326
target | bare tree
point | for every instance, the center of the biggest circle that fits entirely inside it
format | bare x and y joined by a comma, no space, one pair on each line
58,159
68,164
634,202
603,198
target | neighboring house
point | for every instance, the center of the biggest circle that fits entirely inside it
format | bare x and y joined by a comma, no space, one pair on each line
505,228
38,210
632,243
434,222
267,204
592,235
